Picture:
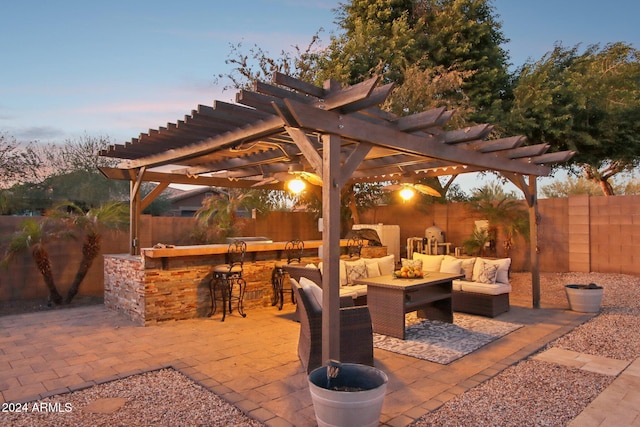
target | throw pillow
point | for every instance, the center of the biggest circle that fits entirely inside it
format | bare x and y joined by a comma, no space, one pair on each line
343,272
355,270
387,264
373,270
452,267
487,273
467,267
429,262
412,264
503,265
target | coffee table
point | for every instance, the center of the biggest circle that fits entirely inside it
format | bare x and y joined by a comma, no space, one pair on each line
390,298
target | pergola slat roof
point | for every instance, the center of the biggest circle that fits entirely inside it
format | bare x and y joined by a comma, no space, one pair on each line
338,133
252,139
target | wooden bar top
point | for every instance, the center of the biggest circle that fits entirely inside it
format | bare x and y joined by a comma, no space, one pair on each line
221,248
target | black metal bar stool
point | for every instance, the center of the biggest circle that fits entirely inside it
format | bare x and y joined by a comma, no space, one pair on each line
226,278
354,247
293,249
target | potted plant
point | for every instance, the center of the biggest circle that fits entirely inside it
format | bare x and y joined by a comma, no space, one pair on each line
347,394
584,298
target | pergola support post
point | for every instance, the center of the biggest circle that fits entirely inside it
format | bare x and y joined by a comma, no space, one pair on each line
135,208
532,201
530,190
331,145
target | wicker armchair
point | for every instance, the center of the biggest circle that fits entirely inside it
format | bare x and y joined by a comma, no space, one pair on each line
314,274
356,332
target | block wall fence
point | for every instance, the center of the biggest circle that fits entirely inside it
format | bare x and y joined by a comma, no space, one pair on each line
581,234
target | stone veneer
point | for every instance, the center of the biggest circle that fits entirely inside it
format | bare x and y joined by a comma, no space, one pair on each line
151,290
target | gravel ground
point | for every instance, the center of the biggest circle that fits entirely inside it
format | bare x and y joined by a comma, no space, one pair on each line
157,398
528,393
536,393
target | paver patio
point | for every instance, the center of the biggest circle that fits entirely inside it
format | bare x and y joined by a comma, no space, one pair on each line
252,362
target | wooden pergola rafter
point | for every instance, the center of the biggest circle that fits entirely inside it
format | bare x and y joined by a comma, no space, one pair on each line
337,132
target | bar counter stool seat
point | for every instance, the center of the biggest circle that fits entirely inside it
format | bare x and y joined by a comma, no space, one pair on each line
294,250
227,278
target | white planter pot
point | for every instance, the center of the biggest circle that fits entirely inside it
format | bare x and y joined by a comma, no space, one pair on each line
348,408
583,299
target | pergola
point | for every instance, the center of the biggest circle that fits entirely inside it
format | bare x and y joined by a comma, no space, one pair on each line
338,133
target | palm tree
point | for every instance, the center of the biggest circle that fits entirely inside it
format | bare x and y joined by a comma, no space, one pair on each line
112,215
502,210
220,211
34,236
64,222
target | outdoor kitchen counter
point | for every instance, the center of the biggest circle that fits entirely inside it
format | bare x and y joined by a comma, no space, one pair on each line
173,283
222,248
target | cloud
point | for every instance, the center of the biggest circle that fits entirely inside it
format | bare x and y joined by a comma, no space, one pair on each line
37,133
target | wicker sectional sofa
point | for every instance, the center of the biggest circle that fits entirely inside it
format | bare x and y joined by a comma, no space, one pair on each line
485,288
483,291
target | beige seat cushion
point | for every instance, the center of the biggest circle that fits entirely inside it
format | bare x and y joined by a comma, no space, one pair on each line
485,288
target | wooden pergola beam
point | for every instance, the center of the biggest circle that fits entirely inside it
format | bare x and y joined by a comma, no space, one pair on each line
352,128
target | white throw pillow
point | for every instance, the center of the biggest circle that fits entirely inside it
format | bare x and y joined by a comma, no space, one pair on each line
343,272
309,286
387,264
451,266
373,269
503,265
429,262
355,270
467,267
488,272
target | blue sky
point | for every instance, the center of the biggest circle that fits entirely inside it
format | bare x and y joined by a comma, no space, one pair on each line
118,68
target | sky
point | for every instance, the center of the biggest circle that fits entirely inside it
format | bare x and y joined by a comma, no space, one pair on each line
75,67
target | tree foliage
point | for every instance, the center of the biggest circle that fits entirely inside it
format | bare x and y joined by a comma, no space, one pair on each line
581,186
584,101
257,64
18,162
447,52
62,172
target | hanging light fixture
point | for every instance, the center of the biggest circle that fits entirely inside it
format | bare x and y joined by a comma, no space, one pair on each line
296,186
406,193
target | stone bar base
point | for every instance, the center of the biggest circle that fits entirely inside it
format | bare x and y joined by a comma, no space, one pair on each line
150,290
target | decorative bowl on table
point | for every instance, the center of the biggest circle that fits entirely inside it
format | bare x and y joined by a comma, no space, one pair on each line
408,273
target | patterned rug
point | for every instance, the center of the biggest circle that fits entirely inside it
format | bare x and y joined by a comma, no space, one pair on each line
442,342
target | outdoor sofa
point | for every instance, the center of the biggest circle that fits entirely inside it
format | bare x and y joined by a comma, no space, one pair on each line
485,288
483,291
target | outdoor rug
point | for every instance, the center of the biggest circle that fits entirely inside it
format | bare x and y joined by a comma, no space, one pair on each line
442,342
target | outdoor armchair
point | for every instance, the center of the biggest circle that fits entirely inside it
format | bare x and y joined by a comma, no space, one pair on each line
356,332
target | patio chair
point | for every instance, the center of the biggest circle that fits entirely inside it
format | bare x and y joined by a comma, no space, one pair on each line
356,332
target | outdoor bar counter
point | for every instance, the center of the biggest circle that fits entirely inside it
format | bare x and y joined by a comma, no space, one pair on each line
172,283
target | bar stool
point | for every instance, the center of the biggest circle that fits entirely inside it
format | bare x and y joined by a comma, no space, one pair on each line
293,249
228,276
354,247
